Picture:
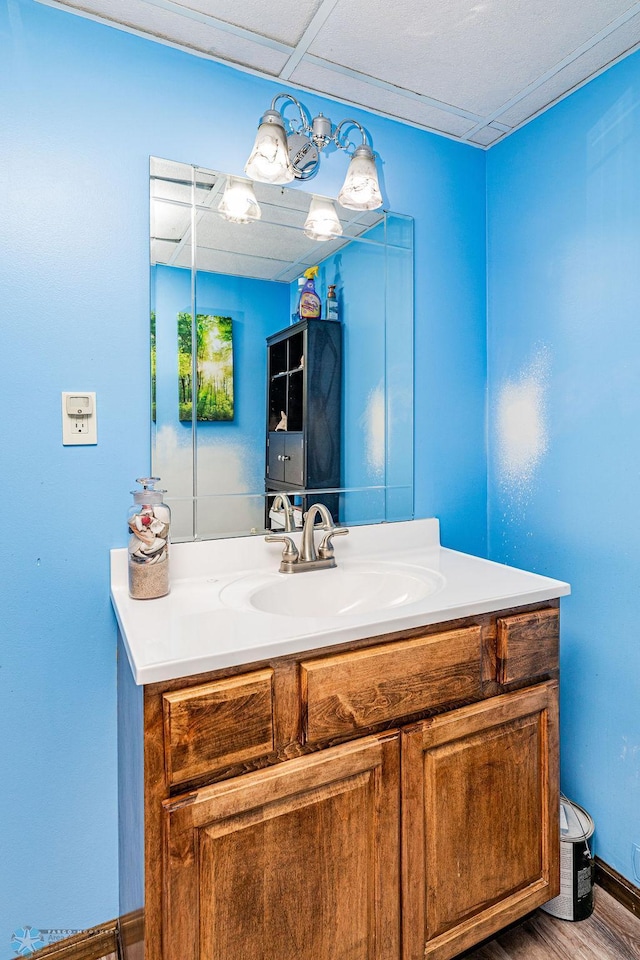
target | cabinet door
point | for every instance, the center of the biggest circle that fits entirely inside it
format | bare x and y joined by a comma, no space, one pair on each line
286,458
480,820
276,455
299,861
294,462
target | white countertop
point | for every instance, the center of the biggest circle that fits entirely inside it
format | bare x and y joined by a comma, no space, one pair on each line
195,629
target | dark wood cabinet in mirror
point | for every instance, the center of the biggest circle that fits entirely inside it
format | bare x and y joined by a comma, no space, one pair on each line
304,396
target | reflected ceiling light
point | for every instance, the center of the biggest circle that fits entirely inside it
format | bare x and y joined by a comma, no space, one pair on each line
322,221
239,204
279,158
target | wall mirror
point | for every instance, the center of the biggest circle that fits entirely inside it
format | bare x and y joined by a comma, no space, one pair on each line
247,401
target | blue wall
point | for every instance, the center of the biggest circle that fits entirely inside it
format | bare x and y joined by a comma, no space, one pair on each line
83,106
564,385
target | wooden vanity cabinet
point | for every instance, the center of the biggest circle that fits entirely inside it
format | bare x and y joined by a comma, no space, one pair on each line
480,809
300,860
387,799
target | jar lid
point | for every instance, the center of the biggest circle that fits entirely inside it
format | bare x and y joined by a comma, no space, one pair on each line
148,494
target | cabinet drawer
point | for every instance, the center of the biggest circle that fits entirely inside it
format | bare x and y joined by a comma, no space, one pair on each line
528,645
217,724
350,692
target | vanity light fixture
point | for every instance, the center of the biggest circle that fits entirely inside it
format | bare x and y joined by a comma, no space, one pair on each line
239,204
278,157
322,221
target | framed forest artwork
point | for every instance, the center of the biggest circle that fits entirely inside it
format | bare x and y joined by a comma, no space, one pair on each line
214,366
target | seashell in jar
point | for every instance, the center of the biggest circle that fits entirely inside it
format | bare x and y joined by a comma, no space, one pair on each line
145,536
134,546
157,545
161,512
157,526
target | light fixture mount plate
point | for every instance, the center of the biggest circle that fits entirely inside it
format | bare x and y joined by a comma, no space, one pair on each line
303,154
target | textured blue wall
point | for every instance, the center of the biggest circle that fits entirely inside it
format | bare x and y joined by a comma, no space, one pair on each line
83,106
564,381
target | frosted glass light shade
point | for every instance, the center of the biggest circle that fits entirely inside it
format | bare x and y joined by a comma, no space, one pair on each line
239,204
360,190
269,160
322,221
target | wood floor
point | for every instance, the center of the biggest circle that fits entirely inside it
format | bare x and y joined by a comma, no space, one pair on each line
610,933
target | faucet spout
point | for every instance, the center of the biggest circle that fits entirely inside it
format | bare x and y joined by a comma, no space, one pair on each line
308,558
308,547
282,502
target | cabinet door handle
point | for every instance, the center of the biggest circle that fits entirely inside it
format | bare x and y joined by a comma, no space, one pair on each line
282,457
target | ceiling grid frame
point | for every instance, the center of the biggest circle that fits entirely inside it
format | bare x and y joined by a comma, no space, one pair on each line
485,129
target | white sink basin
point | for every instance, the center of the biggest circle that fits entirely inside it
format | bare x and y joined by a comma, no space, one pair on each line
348,589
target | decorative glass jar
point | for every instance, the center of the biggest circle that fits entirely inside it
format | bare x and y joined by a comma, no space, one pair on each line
149,521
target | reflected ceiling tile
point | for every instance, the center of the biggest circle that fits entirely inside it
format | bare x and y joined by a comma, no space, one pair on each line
169,221
169,170
183,257
387,102
221,261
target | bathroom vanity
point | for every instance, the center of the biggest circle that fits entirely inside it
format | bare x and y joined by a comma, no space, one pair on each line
376,783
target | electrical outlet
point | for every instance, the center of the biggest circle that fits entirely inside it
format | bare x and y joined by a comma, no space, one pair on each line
635,860
79,418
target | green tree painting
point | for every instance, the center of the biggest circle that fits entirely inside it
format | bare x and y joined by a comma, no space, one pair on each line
214,366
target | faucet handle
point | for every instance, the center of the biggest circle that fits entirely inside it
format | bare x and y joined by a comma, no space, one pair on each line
325,550
289,552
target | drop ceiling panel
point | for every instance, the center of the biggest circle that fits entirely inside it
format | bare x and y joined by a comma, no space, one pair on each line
470,53
184,31
460,63
285,22
265,238
169,221
486,135
224,262
377,98
575,73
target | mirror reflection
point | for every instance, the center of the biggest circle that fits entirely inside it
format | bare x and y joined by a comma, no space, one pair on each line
281,352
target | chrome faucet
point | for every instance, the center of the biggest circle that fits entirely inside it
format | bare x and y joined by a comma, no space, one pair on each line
308,559
282,502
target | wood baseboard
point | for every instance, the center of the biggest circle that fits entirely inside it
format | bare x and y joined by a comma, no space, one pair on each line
99,942
94,944
618,886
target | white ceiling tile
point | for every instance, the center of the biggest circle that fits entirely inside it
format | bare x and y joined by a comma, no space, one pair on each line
285,22
485,136
163,251
475,54
235,264
167,25
575,73
169,221
380,100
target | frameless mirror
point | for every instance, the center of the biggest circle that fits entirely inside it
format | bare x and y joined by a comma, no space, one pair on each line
319,409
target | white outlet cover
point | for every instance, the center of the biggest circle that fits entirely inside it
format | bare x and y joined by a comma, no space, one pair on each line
79,431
